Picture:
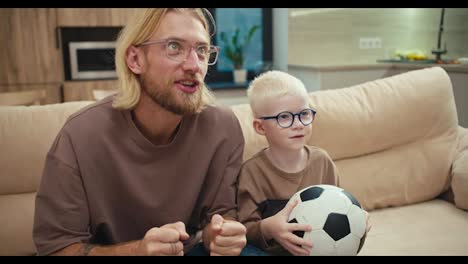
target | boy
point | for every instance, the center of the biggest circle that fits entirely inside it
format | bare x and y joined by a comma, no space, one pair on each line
280,105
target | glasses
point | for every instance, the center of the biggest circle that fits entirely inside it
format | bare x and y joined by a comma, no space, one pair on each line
286,119
179,50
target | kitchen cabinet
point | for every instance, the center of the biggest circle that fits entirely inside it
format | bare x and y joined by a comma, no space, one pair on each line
30,56
28,49
120,16
73,17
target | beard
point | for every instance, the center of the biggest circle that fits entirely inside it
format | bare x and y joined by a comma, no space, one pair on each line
171,99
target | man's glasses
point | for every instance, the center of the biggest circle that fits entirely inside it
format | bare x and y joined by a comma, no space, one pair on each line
179,50
286,119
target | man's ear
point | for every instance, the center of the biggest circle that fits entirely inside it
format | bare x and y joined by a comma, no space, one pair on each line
134,60
258,126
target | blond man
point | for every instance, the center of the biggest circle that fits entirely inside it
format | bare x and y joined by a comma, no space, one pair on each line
150,171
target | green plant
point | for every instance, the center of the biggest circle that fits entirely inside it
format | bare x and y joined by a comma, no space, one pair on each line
234,48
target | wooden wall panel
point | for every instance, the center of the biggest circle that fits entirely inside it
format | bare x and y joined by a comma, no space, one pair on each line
71,17
94,16
28,46
120,16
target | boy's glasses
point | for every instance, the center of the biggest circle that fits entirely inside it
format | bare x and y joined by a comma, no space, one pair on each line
286,119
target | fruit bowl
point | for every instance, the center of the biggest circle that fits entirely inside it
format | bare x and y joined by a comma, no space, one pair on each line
463,60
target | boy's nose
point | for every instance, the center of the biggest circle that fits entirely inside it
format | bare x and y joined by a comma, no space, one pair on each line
297,123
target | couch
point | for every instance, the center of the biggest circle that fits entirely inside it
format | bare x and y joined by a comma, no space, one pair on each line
396,143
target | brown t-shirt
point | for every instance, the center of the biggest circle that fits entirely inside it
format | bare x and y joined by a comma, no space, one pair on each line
264,190
104,182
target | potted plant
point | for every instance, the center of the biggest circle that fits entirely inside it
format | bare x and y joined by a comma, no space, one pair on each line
234,50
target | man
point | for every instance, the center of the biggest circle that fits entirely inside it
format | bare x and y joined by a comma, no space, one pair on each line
145,172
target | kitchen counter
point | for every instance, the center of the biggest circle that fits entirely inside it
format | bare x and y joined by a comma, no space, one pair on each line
449,67
384,65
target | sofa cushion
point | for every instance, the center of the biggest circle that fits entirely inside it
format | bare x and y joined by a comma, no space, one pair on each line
16,222
393,139
27,133
254,142
397,176
459,182
386,113
434,227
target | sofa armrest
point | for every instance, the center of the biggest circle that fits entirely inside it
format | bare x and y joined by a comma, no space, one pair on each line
459,182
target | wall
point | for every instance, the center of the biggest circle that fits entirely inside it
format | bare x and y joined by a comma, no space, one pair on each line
334,77
280,40
228,97
460,91
330,36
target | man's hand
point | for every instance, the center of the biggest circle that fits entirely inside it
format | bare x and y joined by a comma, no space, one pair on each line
277,227
163,241
227,237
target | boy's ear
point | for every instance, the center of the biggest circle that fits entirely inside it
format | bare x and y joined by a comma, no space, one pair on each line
258,126
132,57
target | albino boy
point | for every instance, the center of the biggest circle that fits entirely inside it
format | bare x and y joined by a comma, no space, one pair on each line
280,105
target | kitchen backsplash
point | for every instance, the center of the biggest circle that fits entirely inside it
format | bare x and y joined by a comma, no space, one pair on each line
330,36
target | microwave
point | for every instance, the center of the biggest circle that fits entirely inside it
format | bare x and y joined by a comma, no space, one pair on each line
92,60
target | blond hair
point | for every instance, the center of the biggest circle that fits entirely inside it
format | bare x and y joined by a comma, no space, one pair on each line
139,29
273,84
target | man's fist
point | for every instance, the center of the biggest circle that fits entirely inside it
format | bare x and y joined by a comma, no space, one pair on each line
227,237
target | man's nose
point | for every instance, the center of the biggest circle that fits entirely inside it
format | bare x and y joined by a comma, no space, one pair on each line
192,62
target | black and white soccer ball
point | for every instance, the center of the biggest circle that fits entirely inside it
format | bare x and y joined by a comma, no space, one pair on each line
337,219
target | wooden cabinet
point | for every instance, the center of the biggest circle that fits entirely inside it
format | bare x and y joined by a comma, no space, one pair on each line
28,49
72,17
120,16
53,93
83,90
31,57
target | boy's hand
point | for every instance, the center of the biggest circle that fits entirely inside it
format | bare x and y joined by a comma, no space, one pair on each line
278,228
228,237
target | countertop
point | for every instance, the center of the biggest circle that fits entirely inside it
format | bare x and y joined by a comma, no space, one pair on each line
462,68
227,85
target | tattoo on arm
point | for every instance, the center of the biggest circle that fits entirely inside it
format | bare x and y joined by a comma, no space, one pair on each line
86,248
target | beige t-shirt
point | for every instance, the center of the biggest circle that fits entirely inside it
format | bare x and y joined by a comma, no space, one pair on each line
104,182
263,190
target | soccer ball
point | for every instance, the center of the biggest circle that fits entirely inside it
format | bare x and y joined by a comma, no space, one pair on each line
337,219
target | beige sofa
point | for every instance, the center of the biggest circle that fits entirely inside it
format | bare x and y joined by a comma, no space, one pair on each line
395,141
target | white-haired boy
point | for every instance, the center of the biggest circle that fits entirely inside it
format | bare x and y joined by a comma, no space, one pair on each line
282,113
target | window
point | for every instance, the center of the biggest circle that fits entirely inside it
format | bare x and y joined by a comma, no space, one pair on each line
259,54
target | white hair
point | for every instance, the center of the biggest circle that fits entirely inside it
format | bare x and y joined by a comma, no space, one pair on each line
273,84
